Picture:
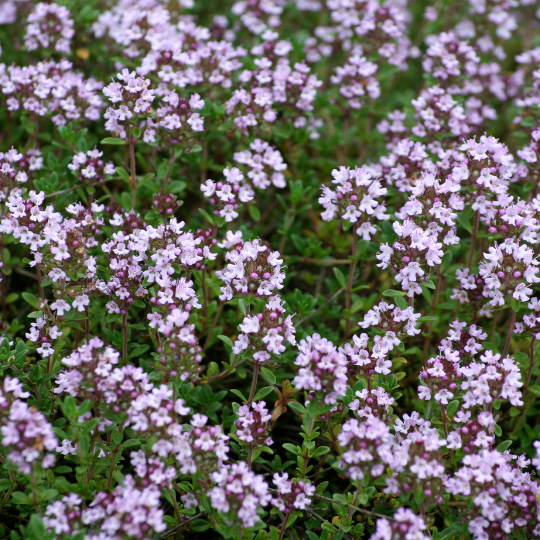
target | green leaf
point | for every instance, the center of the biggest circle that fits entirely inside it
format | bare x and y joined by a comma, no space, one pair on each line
292,448
263,392
47,494
428,318
31,299
21,498
239,394
35,525
515,304
227,340
206,216
298,407
447,534
139,350
504,446
268,375
393,293
321,451
113,140
452,407
199,525
84,445
419,495
340,276
130,443
535,389
254,212
346,225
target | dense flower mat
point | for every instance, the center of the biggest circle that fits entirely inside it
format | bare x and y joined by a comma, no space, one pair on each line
269,269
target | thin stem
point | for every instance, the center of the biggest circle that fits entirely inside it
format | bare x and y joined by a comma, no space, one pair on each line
2,261
169,172
322,262
443,414
349,284
35,503
214,323
133,165
113,463
306,454
363,510
531,365
205,306
328,301
175,504
351,508
10,490
284,526
87,324
250,456
473,238
124,336
510,333
179,527
437,291
256,368
528,402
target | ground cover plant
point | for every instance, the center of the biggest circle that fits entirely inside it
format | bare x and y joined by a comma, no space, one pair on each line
269,269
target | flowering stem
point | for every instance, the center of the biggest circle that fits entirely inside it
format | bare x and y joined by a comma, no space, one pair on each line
175,504
10,490
349,284
214,322
362,510
473,238
510,333
178,528
124,336
306,453
284,525
436,295
38,273
87,324
2,261
205,307
256,367
132,164
250,456
531,365
443,414
169,172
351,508
528,402
34,492
113,463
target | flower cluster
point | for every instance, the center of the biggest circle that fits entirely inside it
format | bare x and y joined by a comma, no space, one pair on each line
266,333
239,493
252,269
49,27
25,432
504,495
226,195
292,495
366,448
405,524
321,369
329,206
355,199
